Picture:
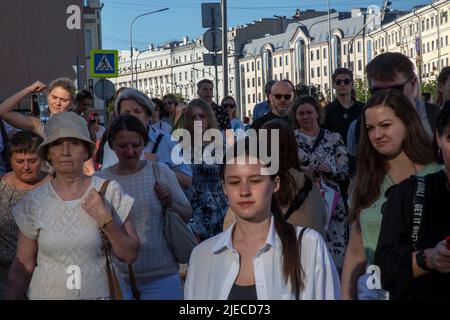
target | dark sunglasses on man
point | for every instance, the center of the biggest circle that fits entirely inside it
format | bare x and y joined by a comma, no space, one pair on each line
284,96
398,87
345,81
228,105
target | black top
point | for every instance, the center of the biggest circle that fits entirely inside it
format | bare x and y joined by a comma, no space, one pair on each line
243,292
265,118
338,118
223,121
394,250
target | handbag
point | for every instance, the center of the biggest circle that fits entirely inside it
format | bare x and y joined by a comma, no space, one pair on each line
180,237
115,290
330,194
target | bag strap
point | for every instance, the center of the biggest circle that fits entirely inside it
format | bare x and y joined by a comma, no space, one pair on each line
318,140
134,289
418,209
300,197
158,141
106,245
300,237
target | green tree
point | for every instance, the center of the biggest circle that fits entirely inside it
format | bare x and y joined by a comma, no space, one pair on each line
429,86
361,90
313,90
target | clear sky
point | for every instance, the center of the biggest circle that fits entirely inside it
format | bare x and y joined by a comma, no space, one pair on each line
184,17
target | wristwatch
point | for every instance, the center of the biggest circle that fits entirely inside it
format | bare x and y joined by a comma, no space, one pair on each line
421,260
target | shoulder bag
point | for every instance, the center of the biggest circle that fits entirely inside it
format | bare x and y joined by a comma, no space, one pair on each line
180,237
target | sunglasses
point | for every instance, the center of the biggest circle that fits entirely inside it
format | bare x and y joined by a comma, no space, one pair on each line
284,96
228,105
398,87
345,81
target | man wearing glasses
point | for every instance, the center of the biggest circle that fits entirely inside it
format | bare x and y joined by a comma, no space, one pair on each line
393,70
340,113
280,97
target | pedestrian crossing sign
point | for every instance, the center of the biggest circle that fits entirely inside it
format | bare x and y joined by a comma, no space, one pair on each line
104,63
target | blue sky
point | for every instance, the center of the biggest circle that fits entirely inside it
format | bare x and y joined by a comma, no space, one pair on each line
184,17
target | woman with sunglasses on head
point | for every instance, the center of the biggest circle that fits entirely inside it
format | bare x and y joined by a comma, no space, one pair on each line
412,252
261,256
393,146
323,157
229,104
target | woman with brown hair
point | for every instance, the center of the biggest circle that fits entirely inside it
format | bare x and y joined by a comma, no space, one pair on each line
323,157
206,196
393,146
260,256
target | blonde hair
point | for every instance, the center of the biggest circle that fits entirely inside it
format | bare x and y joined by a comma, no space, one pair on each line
207,110
64,83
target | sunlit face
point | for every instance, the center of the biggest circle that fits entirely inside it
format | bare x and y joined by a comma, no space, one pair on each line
249,193
444,144
128,146
67,155
132,108
307,116
386,131
26,166
280,97
59,100
206,92
199,115
343,84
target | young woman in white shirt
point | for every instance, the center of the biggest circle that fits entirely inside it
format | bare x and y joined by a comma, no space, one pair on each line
260,256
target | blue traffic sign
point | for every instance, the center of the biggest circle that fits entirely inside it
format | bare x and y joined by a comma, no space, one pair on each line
104,63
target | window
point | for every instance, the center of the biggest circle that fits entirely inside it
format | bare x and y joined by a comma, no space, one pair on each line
318,71
428,47
248,67
253,82
312,55
259,81
432,22
359,65
185,76
281,61
318,53
345,49
248,99
423,25
258,65
180,76
324,53
446,40
253,66
259,96
274,62
281,76
359,46
428,24
325,71
254,98
432,45
248,83
312,72
287,60
352,66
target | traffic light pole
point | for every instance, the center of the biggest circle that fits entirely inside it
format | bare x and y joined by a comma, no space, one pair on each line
225,48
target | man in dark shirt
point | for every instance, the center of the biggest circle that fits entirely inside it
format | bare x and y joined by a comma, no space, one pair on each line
280,100
205,90
340,113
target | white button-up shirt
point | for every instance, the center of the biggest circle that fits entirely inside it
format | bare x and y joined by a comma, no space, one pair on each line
214,267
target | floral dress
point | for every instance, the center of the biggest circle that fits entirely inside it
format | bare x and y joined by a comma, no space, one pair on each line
329,149
208,201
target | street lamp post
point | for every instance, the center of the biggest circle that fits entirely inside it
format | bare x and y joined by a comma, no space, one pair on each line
131,38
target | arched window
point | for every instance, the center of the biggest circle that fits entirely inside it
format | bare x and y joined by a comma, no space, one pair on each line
300,54
336,52
267,64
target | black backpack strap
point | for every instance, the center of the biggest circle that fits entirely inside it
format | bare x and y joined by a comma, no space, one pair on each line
158,141
300,237
318,139
418,209
300,197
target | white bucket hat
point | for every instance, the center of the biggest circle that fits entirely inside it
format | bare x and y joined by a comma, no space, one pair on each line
66,125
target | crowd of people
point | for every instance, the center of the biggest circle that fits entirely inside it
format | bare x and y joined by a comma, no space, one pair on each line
357,185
